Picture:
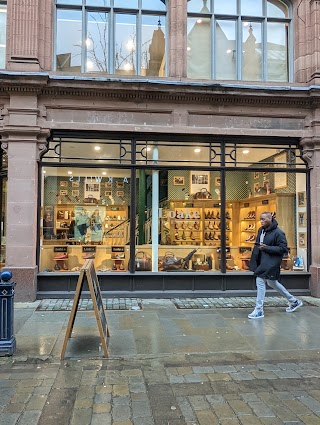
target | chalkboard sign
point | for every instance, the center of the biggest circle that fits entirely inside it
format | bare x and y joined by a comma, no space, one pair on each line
88,249
60,249
88,270
265,202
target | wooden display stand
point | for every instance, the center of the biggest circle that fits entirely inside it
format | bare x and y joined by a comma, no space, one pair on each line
88,270
196,222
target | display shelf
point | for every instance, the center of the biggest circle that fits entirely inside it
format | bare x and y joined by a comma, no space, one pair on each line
201,217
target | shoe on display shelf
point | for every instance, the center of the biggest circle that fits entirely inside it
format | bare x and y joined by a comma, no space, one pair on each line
89,256
62,256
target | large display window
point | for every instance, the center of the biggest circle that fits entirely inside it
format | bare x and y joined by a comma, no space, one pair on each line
162,206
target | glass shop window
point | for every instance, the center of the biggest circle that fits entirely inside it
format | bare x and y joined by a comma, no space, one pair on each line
85,215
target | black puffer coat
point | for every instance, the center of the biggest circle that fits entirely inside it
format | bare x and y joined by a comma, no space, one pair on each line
266,264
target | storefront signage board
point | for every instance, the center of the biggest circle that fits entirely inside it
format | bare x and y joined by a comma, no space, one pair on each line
88,270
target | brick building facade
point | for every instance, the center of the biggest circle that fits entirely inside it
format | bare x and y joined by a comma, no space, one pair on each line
38,103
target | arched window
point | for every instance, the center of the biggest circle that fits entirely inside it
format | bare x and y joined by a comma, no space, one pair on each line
124,37
3,26
239,40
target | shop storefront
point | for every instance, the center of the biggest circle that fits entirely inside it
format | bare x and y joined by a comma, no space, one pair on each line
167,213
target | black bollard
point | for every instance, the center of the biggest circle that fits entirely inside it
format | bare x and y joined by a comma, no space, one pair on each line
7,338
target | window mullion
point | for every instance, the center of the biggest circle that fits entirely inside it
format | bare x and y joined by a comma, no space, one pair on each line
83,40
239,48
111,41
265,50
213,46
138,41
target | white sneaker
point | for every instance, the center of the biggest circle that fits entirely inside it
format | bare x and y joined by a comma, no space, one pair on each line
256,314
293,307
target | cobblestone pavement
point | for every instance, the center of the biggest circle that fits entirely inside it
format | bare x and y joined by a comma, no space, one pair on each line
167,366
172,391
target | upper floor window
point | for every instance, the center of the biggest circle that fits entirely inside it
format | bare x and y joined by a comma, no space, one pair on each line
3,25
239,40
126,37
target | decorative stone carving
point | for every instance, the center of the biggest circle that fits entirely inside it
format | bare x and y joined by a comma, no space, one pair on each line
4,146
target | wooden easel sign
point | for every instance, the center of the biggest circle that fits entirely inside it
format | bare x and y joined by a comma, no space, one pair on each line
88,270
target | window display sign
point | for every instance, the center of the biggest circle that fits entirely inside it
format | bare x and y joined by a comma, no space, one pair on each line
92,190
199,180
89,223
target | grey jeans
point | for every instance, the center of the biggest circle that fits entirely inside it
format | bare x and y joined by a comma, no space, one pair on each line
261,291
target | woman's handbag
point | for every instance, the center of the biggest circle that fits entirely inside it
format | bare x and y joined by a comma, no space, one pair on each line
203,194
143,261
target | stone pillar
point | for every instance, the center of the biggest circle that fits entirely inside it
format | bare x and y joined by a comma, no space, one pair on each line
306,20
177,38
311,153
23,140
29,35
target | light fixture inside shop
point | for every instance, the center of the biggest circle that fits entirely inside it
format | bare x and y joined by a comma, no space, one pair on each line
97,148
44,171
69,172
197,150
104,173
148,149
245,151
199,21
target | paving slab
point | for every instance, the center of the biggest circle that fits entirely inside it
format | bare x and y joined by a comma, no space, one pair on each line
196,365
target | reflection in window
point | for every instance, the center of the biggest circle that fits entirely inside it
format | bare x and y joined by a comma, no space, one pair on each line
3,19
226,50
251,52
125,44
69,39
262,53
97,42
277,9
106,40
152,47
199,44
251,7
277,51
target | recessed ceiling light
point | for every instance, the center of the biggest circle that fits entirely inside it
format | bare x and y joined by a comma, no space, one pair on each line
104,173
69,172
199,21
44,171
148,149
97,148
245,151
197,150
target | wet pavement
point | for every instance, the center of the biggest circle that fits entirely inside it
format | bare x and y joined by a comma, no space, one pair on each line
167,366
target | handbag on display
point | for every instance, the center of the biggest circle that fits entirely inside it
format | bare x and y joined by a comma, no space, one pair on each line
143,261
170,262
203,194
90,200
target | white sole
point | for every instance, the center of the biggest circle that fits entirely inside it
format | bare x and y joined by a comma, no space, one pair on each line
296,308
